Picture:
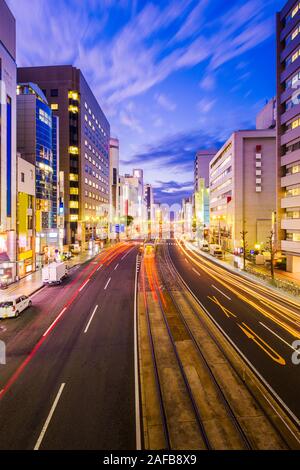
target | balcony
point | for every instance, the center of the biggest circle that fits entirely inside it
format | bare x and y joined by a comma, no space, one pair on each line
288,136
290,180
290,224
290,157
290,246
289,202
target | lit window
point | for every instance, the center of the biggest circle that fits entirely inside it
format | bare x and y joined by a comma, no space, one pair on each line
73,95
73,150
73,218
54,106
295,11
74,191
73,109
74,204
73,177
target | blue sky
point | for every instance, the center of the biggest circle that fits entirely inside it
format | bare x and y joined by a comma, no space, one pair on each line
172,76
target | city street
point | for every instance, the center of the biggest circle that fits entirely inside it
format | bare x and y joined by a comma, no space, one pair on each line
86,358
262,324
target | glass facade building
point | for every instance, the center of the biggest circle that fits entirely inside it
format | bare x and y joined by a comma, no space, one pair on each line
37,132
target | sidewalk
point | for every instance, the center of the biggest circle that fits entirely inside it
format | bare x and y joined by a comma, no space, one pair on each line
33,282
288,283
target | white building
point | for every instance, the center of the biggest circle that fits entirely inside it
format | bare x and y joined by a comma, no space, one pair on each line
8,177
243,190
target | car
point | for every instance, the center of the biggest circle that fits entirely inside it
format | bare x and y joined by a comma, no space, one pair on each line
75,248
14,306
67,255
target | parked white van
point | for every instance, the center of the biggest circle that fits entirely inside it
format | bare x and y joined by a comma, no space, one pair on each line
13,306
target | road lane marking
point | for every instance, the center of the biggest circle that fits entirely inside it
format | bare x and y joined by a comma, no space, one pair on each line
116,266
250,364
55,321
220,292
83,286
98,269
277,336
106,285
90,320
47,422
225,310
136,365
263,345
195,271
129,251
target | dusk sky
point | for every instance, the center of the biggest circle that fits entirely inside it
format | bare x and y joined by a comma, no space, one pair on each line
163,71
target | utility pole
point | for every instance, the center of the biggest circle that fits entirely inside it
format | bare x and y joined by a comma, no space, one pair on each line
273,250
245,245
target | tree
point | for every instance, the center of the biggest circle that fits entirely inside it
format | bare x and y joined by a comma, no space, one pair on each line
244,234
271,246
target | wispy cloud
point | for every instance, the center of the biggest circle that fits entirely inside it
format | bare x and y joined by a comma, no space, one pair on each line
165,102
138,56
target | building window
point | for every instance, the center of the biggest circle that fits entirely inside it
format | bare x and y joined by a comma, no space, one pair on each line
74,191
23,177
73,177
54,106
54,92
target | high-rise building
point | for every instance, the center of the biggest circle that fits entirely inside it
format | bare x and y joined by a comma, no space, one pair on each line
201,191
149,201
288,133
84,134
35,141
114,188
132,202
26,185
8,176
243,190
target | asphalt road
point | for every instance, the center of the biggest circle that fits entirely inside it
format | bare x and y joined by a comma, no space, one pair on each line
76,390
263,331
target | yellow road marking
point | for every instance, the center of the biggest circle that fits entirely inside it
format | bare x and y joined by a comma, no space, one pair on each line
262,344
227,312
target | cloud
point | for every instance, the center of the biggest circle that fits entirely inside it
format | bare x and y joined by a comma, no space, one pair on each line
171,192
128,120
165,102
208,83
141,52
205,105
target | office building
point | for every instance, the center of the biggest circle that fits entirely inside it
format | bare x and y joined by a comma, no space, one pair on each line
288,133
266,118
114,217
26,184
201,192
84,134
8,164
132,202
36,136
187,217
243,190
149,201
